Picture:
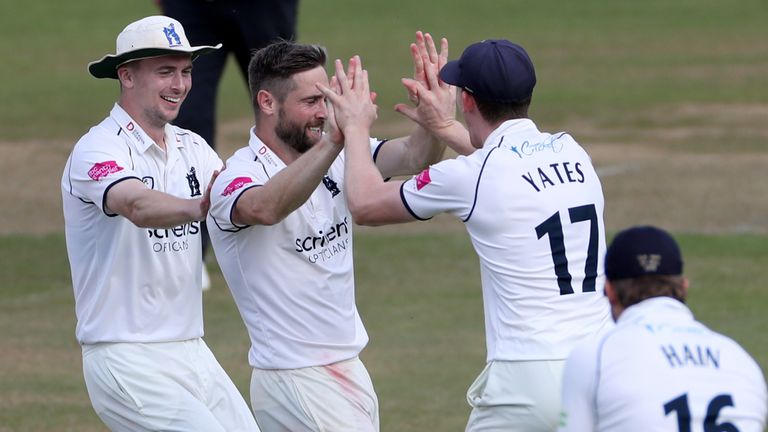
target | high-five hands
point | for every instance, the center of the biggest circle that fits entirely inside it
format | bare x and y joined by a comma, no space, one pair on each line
434,101
353,107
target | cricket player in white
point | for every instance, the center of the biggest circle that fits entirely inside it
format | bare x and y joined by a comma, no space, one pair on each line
659,369
135,189
533,206
282,234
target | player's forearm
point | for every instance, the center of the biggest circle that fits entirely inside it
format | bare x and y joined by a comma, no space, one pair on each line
289,189
456,137
363,181
424,149
409,154
153,209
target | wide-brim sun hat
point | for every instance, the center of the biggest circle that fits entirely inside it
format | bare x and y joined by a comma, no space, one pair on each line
152,36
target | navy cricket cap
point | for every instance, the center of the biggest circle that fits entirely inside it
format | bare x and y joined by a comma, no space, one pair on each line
640,251
493,70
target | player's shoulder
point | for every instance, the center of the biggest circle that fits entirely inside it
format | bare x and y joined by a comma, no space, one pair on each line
458,169
589,348
730,345
242,168
567,142
189,138
102,137
243,159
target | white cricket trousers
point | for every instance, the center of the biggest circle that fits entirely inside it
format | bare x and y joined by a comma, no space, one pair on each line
168,386
335,398
516,396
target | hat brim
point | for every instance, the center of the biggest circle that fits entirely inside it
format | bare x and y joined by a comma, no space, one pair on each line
106,67
451,73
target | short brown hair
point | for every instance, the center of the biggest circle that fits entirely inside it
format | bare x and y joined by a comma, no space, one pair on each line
272,67
497,112
631,291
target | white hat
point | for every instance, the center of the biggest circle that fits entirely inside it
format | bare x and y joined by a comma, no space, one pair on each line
152,36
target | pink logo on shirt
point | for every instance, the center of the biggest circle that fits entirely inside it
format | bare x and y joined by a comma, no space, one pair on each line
103,169
236,184
423,179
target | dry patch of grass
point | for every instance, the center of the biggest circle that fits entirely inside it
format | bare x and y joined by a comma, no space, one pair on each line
690,167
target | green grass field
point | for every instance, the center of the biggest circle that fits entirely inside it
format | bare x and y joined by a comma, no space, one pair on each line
667,95
418,295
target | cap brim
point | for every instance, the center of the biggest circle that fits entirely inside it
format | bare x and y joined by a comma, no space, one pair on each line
451,73
106,67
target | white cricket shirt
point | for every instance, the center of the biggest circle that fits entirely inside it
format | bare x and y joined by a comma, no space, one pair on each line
293,282
533,206
134,284
660,370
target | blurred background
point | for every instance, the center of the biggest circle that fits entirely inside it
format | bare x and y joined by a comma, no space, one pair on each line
668,97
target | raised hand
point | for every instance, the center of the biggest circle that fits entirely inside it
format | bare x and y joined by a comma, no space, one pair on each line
334,133
352,100
434,101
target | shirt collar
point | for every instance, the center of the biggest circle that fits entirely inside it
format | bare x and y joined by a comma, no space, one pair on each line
136,134
172,137
268,158
654,306
131,128
514,126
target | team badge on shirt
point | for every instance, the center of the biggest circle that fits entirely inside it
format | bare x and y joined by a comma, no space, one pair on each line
194,184
235,185
99,170
423,179
331,185
149,181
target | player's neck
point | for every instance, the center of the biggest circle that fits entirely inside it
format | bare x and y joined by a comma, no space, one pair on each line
155,132
266,133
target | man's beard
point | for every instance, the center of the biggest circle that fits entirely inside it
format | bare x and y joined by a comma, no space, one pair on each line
293,134
157,117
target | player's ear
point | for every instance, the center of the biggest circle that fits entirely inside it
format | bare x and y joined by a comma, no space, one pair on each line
467,101
610,292
685,288
266,102
125,75
613,299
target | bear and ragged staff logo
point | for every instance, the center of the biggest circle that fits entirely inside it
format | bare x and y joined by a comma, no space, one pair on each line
331,185
194,184
171,35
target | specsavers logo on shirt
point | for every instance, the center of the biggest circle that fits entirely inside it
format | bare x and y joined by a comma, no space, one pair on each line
173,239
326,244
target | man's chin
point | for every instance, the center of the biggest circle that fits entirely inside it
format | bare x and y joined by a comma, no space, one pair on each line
307,143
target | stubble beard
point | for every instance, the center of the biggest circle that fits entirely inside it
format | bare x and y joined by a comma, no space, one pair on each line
157,118
295,135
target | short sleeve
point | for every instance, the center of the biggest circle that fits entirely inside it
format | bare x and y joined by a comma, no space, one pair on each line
98,162
227,190
446,187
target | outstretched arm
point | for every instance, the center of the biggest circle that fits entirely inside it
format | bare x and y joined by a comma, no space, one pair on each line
434,101
371,201
147,208
288,190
